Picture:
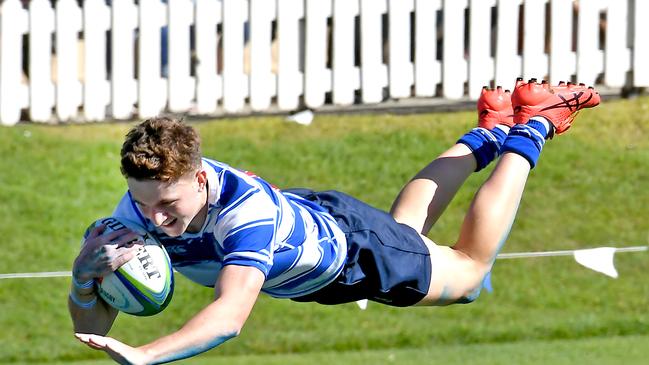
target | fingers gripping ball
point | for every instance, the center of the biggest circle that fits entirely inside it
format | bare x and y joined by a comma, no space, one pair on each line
144,285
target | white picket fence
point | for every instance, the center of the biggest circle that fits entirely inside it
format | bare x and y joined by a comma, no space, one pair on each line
103,60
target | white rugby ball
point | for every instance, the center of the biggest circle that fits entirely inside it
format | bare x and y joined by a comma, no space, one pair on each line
144,285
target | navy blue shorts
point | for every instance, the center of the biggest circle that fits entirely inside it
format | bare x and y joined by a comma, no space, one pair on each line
387,262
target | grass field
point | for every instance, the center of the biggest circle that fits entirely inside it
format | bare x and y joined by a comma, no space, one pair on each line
611,351
589,190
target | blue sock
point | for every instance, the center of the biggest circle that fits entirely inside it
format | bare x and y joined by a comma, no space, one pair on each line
526,140
484,144
500,131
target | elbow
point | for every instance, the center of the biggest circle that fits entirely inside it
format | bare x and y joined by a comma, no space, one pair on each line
234,331
231,330
235,334
221,338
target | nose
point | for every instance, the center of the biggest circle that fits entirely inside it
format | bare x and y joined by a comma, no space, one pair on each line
157,216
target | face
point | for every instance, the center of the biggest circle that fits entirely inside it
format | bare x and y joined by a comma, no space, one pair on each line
174,207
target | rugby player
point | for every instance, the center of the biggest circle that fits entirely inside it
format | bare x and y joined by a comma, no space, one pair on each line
237,233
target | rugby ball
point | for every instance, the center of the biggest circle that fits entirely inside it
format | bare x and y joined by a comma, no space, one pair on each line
144,285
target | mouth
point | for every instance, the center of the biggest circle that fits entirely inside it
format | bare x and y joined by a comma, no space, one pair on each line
169,222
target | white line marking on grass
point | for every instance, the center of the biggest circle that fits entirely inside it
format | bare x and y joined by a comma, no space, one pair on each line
47,274
512,255
521,255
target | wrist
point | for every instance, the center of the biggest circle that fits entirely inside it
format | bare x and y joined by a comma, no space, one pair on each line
82,283
84,301
81,293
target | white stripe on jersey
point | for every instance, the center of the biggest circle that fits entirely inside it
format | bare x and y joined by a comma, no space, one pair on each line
261,256
308,258
235,203
262,222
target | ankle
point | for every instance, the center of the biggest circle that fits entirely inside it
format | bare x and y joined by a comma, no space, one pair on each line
484,145
543,125
526,140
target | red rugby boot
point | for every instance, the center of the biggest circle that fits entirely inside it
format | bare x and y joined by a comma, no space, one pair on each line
495,107
558,104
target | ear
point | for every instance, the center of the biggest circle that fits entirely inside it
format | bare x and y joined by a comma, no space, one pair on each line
201,178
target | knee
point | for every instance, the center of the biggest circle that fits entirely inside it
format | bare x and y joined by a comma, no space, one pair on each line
470,297
479,279
472,294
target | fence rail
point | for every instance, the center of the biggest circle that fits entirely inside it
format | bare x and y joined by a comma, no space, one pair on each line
92,60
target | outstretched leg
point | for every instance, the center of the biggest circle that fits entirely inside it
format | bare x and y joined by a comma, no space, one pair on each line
426,196
458,272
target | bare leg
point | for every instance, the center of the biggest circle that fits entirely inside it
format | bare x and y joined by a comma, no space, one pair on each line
426,196
458,272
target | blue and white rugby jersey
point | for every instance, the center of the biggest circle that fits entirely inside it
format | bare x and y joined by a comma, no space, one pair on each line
295,243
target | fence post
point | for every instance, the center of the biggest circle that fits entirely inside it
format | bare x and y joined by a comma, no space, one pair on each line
290,82
590,59
96,91
562,58
209,87
640,44
508,62
262,80
152,88
124,85
181,83
374,76
41,87
317,77
13,93
535,58
481,64
454,65
428,70
68,86
400,68
235,82
618,56
346,76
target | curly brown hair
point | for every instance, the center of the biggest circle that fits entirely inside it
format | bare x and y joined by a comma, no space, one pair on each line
160,148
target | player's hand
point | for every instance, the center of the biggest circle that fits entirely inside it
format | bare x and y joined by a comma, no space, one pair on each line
118,351
103,254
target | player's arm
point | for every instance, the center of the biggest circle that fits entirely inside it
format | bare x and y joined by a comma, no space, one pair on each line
100,255
89,313
236,291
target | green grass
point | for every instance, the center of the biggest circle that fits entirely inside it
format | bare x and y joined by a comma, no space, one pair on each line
601,351
588,190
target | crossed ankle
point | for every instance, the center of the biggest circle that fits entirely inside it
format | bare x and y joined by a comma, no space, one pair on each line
502,127
537,121
484,144
526,140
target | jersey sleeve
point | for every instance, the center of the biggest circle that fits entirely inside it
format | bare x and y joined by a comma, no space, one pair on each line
246,228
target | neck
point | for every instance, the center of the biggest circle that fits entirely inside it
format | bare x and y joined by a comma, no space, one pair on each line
197,223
